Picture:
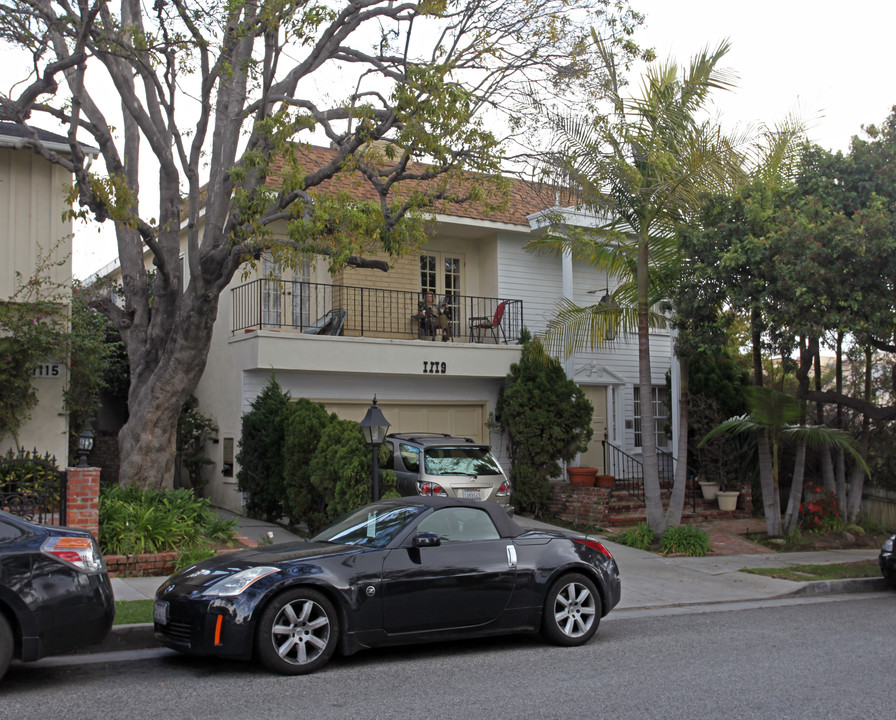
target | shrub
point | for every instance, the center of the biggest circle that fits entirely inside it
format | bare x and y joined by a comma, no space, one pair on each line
261,453
340,469
134,521
685,540
640,536
304,424
822,514
548,419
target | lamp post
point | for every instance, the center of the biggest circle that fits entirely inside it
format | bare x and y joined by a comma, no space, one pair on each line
375,426
85,445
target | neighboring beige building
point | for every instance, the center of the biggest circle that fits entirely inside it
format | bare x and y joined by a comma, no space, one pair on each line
32,203
267,324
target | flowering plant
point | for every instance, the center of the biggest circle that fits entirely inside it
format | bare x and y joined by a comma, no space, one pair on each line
822,513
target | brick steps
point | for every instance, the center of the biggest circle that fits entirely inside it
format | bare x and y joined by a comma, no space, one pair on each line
609,507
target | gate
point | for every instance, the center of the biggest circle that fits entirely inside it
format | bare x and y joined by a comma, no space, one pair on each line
32,487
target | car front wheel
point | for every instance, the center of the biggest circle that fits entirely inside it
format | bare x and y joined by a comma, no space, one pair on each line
5,645
571,611
297,632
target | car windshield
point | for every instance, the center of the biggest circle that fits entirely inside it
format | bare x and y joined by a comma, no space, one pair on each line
371,526
462,460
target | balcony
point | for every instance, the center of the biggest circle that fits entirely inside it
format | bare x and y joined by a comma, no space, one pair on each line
321,309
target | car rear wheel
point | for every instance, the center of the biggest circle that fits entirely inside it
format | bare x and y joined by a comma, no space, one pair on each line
5,645
571,611
297,632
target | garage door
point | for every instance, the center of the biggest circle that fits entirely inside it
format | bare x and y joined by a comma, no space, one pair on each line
465,420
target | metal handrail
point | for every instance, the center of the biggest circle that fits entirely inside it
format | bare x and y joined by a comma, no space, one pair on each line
366,312
629,472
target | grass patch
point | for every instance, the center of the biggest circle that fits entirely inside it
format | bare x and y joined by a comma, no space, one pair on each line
129,612
834,571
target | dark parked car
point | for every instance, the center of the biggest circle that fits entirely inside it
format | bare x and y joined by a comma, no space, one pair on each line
393,572
55,595
448,466
887,560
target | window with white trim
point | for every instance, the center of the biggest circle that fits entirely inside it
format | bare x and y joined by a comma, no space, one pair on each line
660,411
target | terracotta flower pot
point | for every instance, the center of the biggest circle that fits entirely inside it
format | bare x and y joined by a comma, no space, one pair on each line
582,476
605,481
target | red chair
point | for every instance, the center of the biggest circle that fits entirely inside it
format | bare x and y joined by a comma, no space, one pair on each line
480,325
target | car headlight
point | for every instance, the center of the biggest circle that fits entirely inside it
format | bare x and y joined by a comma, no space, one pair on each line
888,546
236,583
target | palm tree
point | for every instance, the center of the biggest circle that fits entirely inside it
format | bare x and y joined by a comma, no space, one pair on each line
644,167
776,417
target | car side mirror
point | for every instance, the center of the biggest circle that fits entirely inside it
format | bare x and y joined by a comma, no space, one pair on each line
426,539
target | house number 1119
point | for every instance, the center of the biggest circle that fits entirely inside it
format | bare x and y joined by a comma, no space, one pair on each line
434,367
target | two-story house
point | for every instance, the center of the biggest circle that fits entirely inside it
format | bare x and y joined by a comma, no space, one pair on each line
33,233
341,340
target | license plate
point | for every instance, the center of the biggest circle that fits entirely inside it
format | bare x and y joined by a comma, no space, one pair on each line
472,495
160,612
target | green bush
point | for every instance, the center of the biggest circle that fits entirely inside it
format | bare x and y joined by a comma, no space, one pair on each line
135,521
260,455
548,419
305,422
685,540
341,467
640,536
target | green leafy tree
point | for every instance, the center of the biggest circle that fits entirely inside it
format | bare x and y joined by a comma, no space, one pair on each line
218,101
33,330
304,425
645,168
261,453
194,430
548,419
778,417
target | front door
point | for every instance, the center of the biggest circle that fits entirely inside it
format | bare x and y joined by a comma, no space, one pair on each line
594,456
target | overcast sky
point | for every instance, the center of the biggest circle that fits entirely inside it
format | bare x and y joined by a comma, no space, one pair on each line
832,62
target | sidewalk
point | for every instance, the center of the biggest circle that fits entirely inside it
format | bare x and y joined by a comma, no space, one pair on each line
649,581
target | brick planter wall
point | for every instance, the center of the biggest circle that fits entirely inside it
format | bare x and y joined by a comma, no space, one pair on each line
146,565
585,505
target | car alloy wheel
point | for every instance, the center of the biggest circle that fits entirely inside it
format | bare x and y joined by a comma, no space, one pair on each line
571,610
297,632
5,645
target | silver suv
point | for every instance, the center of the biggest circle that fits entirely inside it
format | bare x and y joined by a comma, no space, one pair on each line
439,464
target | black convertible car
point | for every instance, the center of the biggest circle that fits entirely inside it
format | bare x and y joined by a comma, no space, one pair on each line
394,572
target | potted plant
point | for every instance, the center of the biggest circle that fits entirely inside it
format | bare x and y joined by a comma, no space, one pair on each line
582,476
709,488
605,481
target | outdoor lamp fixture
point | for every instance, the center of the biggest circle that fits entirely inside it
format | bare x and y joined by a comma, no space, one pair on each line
85,445
375,426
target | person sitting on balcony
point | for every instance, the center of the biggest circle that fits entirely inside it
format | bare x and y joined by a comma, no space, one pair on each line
433,319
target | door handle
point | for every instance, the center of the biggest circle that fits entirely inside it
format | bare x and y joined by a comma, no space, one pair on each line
511,556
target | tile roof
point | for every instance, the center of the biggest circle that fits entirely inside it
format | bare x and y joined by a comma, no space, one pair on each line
524,197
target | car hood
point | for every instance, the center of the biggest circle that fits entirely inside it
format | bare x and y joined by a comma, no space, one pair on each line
282,555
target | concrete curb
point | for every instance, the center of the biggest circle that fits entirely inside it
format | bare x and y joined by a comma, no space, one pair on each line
841,587
138,636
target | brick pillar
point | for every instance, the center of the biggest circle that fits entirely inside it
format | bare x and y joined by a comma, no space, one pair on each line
83,499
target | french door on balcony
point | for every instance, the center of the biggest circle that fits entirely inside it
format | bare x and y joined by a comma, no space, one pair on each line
284,302
442,275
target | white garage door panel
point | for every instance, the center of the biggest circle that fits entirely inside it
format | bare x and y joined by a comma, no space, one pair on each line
464,420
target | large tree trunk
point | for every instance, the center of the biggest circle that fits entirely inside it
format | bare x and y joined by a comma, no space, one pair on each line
768,481
857,480
676,502
162,380
827,463
792,516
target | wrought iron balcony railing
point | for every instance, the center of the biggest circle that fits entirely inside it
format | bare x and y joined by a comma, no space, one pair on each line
350,311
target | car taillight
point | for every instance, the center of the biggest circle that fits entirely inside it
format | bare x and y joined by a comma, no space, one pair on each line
78,551
430,488
504,489
594,545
